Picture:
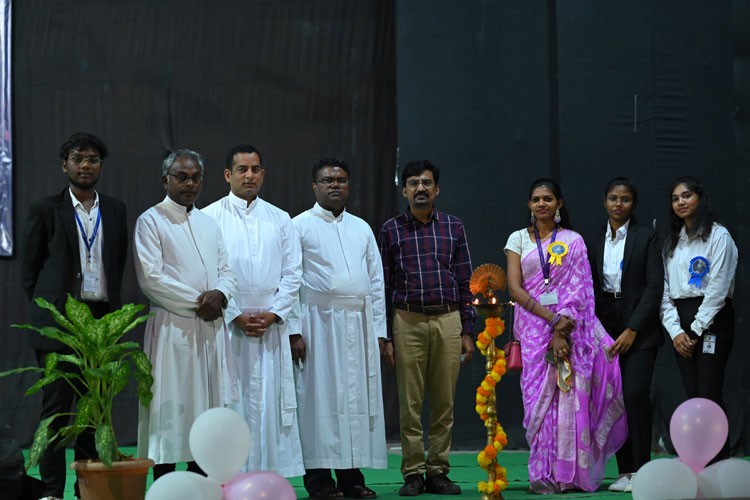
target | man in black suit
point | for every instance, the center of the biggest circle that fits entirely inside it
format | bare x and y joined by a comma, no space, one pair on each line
74,242
628,281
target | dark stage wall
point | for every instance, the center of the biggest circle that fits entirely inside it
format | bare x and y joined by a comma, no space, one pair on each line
496,92
499,93
300,80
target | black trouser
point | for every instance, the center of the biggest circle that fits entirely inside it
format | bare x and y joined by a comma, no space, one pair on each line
636,369
59,397
160,469
702,373
317,479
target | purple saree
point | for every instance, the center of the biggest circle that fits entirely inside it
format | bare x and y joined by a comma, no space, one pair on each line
572,434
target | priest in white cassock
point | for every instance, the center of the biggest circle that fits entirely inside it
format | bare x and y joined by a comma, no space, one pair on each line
182,267
264,253
342,315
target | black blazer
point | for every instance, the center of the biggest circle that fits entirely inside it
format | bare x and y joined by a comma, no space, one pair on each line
51,262
642,282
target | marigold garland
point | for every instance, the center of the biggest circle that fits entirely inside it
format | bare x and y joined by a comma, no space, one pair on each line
493,327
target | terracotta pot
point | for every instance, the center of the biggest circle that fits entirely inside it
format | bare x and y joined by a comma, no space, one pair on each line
125,480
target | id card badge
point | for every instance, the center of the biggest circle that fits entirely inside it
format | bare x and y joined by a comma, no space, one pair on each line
709,344
548,299
89,281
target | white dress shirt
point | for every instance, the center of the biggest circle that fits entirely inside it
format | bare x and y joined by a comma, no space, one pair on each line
614,250
91,261
716,286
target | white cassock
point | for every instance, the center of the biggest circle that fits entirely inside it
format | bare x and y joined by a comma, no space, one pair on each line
180,254
342,314
265,255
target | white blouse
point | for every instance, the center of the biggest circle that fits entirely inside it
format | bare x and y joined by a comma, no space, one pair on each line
715,287
614,250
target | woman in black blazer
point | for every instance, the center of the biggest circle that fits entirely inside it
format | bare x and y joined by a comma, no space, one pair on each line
628,283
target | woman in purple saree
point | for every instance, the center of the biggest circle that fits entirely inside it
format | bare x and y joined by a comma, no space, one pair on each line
572,393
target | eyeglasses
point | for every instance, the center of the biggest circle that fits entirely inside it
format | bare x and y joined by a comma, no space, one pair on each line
330,181
414,183
79,159
183,178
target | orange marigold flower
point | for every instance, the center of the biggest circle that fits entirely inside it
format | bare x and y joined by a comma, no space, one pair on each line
483,460
490,451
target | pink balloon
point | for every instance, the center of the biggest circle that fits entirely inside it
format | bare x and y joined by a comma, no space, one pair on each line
258,485
698,430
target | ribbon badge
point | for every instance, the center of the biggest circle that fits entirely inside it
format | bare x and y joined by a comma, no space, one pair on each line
557,250
698,268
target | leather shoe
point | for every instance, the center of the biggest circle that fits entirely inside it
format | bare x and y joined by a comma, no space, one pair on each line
413,486
441,485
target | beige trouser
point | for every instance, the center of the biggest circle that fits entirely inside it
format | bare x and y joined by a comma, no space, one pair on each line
428,359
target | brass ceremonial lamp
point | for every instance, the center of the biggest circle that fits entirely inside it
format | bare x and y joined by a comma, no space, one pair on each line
485,281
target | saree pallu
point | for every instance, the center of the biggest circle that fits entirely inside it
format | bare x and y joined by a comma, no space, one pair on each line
571,434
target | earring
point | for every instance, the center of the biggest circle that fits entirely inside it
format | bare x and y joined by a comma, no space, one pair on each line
532,219
557,218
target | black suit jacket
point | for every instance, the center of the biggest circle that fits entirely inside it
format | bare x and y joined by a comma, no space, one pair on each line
51,262
642,283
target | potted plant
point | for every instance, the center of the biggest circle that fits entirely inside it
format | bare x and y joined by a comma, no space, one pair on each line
106,365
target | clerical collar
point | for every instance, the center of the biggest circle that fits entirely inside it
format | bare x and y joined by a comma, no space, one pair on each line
241,202
173,205
327,214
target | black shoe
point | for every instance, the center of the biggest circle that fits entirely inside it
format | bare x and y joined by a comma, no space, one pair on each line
441,485
413,486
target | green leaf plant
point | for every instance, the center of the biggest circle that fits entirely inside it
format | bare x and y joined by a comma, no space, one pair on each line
104,365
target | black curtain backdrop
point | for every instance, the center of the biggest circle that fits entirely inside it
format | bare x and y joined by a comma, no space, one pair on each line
582,91
495,92
300,80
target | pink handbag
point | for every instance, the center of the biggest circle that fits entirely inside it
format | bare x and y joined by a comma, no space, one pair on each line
513,363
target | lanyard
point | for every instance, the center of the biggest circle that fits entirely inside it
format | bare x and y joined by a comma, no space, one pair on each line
89,242
544,262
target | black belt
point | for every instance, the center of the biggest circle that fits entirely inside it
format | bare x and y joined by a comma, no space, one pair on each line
612,295
427,310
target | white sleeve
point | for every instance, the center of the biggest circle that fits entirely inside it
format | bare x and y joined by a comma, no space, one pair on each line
227,282
167,292
515,242
667,311
723,253
377,290
291,272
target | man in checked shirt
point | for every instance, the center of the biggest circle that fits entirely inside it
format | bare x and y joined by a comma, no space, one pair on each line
427,267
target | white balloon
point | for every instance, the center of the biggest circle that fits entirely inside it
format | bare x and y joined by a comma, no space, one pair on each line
220,443
729,478
665,479
180,485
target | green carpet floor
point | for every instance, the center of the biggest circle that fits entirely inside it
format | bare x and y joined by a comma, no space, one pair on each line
465,472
